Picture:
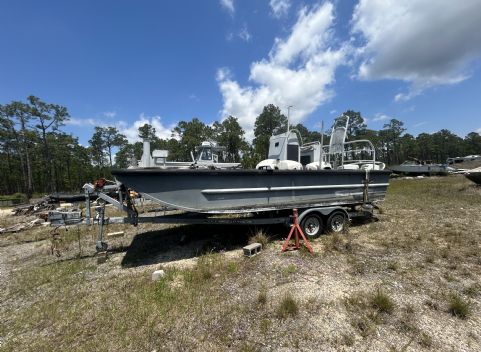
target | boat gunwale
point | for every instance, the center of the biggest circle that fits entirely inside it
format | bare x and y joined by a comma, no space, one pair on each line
157,171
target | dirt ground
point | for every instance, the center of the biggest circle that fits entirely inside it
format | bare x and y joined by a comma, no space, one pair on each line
407,282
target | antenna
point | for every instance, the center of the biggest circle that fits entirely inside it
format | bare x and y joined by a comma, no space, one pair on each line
288,117
322,144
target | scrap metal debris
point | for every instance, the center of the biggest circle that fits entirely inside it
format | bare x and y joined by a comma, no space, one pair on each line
20,227
43,205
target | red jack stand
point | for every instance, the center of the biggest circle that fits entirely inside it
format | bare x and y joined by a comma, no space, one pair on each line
296,229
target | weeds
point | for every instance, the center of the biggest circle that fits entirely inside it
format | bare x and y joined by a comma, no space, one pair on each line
265,325
472,290
358,267
382,302
339,243
407,321
458,306
262,295
288,270
232,267
393,266
287,307
347,339
425,340
261,237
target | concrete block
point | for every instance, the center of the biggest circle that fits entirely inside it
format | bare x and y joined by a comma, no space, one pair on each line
157,275
252,249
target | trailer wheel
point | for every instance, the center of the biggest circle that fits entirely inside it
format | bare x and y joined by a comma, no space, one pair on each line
312,225
337,221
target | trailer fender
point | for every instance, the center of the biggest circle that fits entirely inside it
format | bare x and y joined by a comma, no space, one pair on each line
325,211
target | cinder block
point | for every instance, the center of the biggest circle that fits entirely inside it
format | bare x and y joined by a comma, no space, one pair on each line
252,249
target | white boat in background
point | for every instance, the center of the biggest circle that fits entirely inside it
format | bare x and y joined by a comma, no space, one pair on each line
207,158
417,167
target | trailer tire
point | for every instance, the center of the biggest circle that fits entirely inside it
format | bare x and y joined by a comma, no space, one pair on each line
337,221
312,225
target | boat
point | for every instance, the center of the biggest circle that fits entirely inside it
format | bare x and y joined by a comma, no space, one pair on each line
461,165
415,167
474,175
279,182
207,157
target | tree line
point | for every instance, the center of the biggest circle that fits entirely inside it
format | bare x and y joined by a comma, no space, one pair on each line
36,156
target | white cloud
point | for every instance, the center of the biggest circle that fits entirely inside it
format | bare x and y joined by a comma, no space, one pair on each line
279,8
194,97
420,124
381,117
82,122
228,5
478,130
110,114
332,112
421,42
298,72
131,131
244,34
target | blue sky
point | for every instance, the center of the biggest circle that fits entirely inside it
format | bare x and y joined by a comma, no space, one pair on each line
123,63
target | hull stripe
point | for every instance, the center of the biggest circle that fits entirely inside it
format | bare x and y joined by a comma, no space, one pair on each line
288,188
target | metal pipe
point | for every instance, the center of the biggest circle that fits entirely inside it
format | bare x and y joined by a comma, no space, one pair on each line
322,145
288,118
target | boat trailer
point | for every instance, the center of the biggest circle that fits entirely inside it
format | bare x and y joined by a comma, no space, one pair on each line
311,219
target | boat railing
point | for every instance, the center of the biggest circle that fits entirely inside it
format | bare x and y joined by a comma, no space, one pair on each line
345,153
309,145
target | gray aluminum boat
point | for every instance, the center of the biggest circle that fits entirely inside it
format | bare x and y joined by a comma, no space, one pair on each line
416,168
229,191
281,182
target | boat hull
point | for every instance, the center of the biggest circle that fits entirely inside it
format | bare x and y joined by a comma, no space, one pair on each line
474,176
229,191
418,170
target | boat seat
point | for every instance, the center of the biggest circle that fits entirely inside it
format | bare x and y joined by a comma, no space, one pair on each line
350,167
338,137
